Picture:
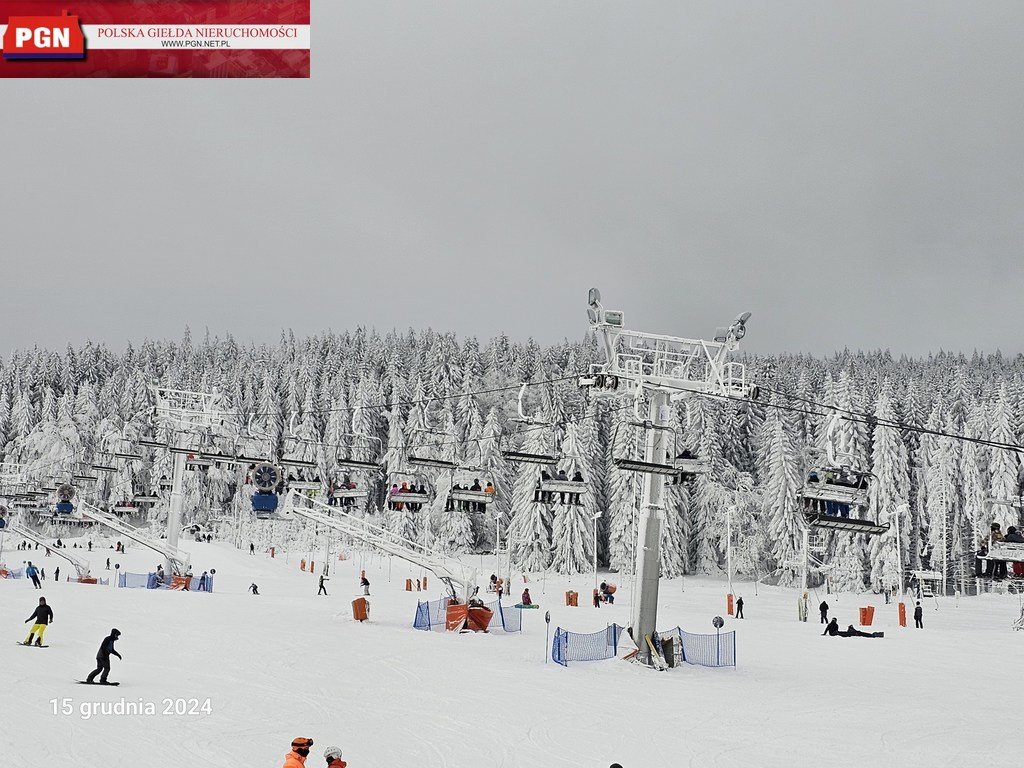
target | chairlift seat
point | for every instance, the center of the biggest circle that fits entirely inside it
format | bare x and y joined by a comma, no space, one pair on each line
409,498
563,486
843,494
125,509
650,467
353,493
305,485
853,524
356,464
691,466
145,498
479,497
1009,551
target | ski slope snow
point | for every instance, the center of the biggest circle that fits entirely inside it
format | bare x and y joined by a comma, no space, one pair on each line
288,663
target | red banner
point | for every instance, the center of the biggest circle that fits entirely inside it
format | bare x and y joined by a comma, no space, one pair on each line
145,38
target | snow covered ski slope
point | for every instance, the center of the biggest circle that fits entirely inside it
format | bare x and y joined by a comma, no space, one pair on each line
229,678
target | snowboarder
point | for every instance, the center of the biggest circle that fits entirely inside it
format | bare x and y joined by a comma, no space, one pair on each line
918,616
333,757
832,629
41,617
103,657
527,600
739,608
365,584
33,573
824,612
300,750
254,589
323,589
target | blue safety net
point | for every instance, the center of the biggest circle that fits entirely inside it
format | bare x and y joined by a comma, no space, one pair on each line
718,650
574,646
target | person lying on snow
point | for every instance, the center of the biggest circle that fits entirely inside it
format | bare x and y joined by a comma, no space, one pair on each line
832,630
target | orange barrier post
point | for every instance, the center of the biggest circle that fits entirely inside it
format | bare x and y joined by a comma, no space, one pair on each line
867,615
903,614
272,550
728,604
302,564
424,582
408,585
311,564
361,609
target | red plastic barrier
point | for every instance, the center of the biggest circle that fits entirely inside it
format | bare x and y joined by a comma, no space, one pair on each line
867,615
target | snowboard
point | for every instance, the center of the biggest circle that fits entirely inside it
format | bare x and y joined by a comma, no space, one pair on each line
31,645
86,682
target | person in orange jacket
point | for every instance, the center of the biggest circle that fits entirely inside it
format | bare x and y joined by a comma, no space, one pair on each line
300,751
333,757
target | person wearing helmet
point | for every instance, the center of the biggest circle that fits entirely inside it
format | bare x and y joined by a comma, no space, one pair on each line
103,657
299,752
333,757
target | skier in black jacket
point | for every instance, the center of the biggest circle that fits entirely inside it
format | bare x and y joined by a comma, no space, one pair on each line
103,657
918,616
41,618
824,612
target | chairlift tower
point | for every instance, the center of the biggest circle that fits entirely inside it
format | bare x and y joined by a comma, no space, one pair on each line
666,369
184,412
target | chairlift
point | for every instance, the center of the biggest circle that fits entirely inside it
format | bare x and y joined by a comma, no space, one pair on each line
835,495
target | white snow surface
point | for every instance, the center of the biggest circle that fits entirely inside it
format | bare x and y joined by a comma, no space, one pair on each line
288,663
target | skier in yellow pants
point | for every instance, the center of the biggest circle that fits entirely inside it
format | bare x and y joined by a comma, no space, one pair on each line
42,616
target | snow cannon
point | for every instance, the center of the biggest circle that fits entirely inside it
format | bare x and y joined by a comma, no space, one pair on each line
65,493
266,477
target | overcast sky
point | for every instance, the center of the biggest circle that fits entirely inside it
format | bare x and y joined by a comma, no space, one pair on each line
850,172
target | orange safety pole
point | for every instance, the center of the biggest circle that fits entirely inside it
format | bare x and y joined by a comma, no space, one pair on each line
728,604
903,614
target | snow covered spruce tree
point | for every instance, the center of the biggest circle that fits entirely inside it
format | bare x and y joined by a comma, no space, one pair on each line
888,493
573,529
781,474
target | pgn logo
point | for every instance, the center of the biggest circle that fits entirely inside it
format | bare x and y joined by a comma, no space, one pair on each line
44,37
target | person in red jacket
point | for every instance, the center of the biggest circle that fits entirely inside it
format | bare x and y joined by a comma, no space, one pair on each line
299,752
333,757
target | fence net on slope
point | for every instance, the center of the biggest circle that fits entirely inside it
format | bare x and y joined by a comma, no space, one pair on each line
128,580
574,646
433,615
718,650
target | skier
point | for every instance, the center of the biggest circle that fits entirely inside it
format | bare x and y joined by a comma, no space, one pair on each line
42,616
296,758
365,584
918,616
103,657
739,608
832,629
333,757
252,548
90,545
254,589
323,589
56,574
527,600
824,612
33,573
108,563
203,583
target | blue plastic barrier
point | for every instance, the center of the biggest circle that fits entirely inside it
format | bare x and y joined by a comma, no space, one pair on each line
431,615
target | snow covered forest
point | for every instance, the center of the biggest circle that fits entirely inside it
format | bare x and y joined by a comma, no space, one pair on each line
433,394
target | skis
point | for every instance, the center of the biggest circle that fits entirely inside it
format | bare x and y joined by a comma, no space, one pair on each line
32,645
656,658
86,682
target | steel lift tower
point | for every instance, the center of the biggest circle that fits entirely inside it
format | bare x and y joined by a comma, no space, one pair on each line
183,412
665,369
